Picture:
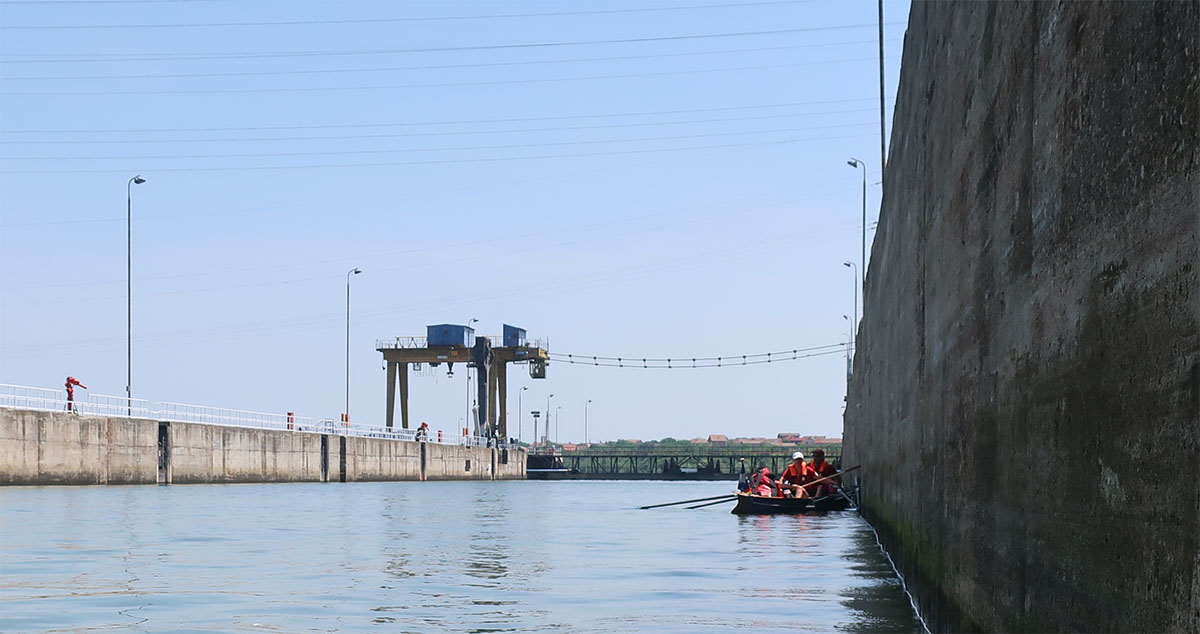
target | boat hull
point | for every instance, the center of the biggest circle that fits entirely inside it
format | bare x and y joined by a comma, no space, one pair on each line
756,505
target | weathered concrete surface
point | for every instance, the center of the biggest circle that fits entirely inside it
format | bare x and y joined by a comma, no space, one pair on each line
60,448
1027,387
208,453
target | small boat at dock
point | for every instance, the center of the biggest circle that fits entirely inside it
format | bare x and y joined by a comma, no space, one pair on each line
748,504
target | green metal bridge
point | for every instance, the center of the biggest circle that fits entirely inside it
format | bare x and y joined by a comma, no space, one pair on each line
683,462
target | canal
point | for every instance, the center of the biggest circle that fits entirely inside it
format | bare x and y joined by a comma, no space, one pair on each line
433,556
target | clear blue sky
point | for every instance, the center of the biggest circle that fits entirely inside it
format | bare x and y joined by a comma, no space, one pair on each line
635,179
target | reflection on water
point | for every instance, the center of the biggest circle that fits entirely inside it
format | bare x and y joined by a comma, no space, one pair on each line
432,556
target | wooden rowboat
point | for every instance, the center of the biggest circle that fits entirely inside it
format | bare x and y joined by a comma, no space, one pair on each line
748,504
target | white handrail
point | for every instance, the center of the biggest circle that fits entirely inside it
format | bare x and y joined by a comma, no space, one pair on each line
51,400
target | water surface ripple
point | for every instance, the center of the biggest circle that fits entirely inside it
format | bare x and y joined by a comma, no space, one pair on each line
432,557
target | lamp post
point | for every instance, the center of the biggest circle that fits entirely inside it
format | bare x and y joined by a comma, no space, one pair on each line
853,162
547,436
354,271
849,346
470,343
557,415
519,412
855,268
136,180
853,324
585,429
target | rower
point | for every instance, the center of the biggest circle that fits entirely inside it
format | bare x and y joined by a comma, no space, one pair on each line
794,477
820,469
764,485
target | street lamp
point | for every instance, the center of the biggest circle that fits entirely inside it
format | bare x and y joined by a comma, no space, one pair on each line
855,268
547,436
585,429
468,372
853,162
354,271
557,415
519,412
136,180
849,346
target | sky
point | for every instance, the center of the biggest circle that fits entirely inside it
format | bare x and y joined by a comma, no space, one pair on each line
621,179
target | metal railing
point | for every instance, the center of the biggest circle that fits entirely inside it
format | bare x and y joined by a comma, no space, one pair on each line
402,343
50,400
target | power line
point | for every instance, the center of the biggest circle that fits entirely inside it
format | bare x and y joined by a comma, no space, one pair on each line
452,122
382,20
495,82
76,157
53,2
486,47
604,126
320,71
679,363
440,161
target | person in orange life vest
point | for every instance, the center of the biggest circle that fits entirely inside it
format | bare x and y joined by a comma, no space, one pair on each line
795,476
71,383
820,469
765,486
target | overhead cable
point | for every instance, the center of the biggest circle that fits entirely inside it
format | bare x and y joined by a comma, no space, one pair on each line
78,157
319,71
161,57
494,82
232,168
389,135
454,122
679,363
434,18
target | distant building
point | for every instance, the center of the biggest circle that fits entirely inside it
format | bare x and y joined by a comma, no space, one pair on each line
570,446
699,441
718,440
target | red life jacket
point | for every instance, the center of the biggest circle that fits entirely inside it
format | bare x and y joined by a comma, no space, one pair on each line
791,477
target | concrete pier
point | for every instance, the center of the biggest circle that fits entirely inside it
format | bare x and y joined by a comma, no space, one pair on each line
40,447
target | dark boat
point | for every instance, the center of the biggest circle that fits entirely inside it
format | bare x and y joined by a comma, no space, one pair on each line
756,505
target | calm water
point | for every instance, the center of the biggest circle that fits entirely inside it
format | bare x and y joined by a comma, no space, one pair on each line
432,556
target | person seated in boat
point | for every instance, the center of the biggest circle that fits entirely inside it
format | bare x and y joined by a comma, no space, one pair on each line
821,469
793,478
763,484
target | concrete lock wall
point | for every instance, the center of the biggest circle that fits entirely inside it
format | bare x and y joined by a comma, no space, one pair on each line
60,448
1027,385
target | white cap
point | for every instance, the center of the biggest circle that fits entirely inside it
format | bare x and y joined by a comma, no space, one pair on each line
798,455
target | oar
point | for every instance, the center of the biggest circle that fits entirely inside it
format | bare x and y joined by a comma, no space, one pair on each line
722,497
833,476
727,499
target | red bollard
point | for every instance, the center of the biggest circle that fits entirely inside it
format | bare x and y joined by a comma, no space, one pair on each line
439,435
291,418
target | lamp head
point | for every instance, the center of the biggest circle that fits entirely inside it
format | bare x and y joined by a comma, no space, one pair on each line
356,271
847,264
853,162
138,180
